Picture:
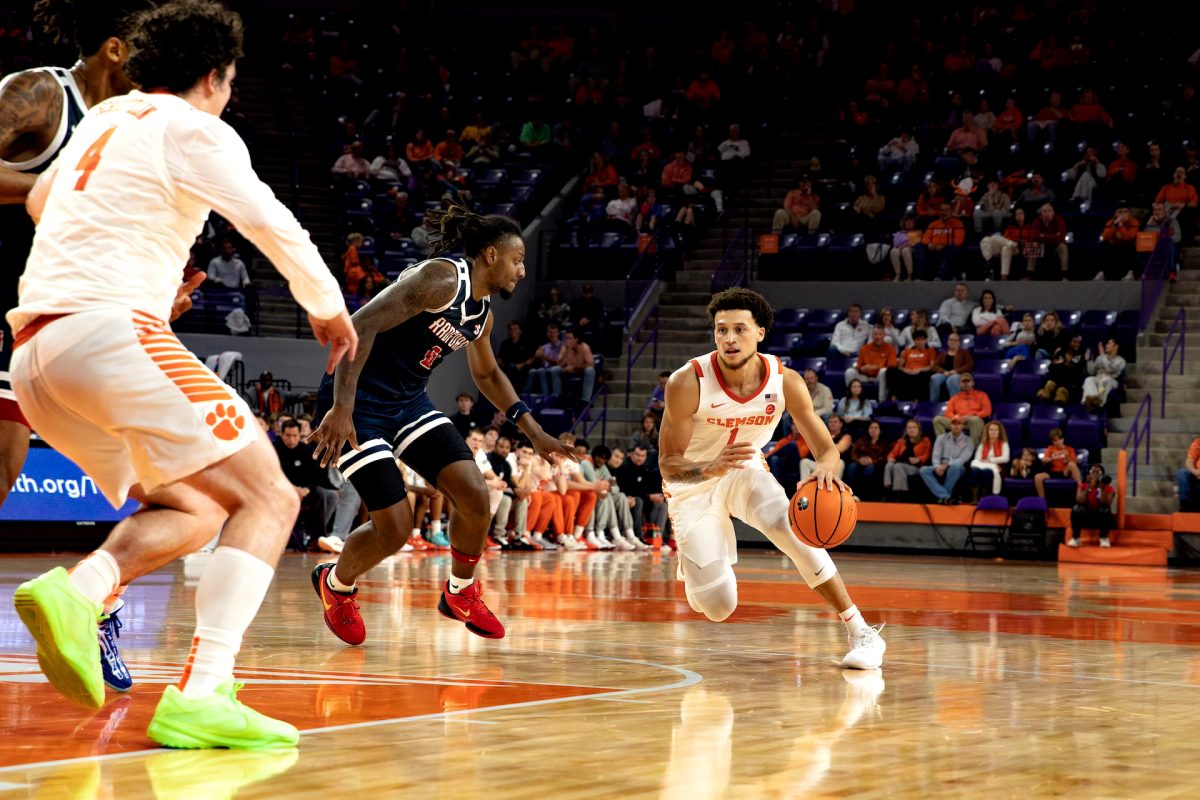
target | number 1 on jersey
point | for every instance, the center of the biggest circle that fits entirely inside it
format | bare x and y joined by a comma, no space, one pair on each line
91,159
732,436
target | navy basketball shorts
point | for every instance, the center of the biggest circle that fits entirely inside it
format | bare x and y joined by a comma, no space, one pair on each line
416,433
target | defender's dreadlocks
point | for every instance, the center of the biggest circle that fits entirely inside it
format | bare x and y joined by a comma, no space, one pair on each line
88,23
456,224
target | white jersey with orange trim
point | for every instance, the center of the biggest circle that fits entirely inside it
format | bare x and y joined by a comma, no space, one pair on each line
121,206
723,417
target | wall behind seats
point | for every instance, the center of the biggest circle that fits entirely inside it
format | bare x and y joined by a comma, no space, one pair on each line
1085,295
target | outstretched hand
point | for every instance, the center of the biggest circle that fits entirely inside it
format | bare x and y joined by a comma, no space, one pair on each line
183,295
331,435
551,449
339,334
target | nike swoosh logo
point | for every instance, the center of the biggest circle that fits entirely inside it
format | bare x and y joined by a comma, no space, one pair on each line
822,569
327,605
717,405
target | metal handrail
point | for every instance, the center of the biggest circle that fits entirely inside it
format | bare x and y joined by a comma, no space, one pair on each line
733,268
650,256
1158,267
631,357
589,424
1180,323
1139,437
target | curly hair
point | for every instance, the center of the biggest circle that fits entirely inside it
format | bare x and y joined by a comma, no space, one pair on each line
181,41
456,224
739,299
88,23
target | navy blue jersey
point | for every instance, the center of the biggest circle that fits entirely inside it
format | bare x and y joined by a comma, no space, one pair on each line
403,357
16,228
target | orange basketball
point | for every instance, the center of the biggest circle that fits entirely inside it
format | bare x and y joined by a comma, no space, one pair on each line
822,518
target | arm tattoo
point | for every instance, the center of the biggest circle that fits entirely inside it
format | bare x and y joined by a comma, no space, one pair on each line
692,474
30,110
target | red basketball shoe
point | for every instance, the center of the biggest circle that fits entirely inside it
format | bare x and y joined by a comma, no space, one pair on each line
467,607
341,610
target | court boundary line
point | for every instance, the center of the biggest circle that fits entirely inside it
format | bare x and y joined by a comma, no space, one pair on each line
689,678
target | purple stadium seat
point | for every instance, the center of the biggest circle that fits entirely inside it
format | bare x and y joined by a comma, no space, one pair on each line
1043,420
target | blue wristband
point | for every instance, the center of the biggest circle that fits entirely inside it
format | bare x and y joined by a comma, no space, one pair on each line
515,411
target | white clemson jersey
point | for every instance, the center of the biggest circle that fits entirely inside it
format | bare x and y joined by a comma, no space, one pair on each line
121,206
723,417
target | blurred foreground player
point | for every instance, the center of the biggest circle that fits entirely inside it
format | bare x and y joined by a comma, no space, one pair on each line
719,413
39,109
100,375
378,398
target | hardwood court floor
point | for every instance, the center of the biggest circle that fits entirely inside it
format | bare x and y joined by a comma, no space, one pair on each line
1002,680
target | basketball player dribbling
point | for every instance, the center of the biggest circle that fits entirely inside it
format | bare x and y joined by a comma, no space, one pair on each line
102,378
379,399
720,412
39,109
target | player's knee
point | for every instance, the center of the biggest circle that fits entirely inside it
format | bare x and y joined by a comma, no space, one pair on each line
718,604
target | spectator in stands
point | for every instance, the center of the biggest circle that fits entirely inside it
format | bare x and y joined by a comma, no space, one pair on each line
613,511
1068,369
587,315
952,452
801,210
987,317
869,205
400,220
1118,246
544,358
646,436
1050,335
649,212
929,204
703,93
645,174
641,482
499,503
1059,461
483,152
1180,198
903,242
1048,233
1188,479
419,150
476,129
593,207
1122,174
464,420
1088,119
1161,222
910,452
1093,506
1009,124
536,134
1023,343
264,397
390,167
969,404
648,146
784,457
1005,244
866,457
351,165
994,205
912,93
676,175
227,270
1045,123
555,308
987,469
855,408
623,206
1153,174
887,320
600,173
1104,375
575,359
984,118
706,183
356,266
938,252
1025,466
822,397
658,396
968,135
735,154
952,364
919,321
317,497
911,380
1036,196
515,354
899,154
698,145
579,500
1088,174
448,152
962,207
875,358
841,440
850,334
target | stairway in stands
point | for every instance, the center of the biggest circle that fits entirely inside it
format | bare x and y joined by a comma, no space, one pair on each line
1170,436
273,107
683,330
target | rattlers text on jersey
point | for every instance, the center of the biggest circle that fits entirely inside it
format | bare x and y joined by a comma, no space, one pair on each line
723,417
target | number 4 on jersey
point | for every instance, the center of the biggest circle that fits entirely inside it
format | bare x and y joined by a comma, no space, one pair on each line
432,355
91,159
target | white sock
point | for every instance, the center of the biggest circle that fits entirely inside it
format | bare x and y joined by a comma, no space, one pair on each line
854,621
416,531
331,579
578,529
227,599
629,533
435,526
97,576
458,584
